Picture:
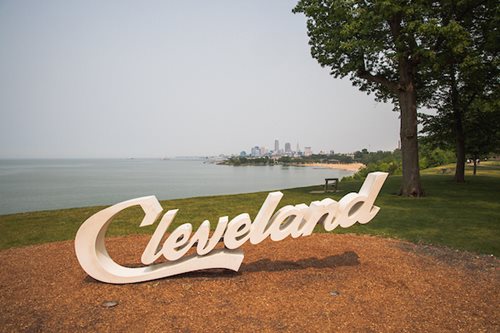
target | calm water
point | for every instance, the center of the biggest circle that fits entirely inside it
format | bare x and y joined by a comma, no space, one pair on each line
30,185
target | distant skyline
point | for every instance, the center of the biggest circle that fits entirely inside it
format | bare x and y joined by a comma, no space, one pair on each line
279,147
121,79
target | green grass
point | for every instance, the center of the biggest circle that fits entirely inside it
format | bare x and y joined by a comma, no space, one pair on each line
462,216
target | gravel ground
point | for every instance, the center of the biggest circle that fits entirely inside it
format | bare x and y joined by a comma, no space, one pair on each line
321,283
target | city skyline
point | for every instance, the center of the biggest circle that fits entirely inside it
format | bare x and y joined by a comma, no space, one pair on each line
277,150
258,151
125,79
262,151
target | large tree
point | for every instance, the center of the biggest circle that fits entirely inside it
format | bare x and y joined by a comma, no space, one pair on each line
383,47
480,126
466,69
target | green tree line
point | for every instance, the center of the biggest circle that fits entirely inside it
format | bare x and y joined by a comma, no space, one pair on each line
437,54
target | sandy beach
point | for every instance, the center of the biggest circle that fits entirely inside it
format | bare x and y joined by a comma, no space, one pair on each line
341,166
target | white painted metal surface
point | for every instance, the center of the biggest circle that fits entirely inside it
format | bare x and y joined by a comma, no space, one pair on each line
294,221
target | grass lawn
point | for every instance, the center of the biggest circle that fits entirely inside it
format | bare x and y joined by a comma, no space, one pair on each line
462,216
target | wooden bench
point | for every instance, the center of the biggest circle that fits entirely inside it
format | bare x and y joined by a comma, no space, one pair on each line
334,185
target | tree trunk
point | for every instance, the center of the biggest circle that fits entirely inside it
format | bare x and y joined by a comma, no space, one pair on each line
458,128
460,148
411,185
475,166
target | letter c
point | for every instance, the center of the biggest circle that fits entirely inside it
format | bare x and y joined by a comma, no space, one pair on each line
95,260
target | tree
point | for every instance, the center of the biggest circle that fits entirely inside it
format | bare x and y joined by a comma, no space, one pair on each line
480,125
483,134
466,69
431,156
383,48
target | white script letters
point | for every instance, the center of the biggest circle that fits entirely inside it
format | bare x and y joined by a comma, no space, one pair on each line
294,221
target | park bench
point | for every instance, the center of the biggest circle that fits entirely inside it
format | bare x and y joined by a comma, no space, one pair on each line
335,183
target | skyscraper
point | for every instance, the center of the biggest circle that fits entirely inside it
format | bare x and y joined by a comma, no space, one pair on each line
288,147
256,151
276,146
307,151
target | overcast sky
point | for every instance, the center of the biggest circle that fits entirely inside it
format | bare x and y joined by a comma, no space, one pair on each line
165,78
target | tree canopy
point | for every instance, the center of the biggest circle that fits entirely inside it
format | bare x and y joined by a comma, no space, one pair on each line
384,48
368,41
441,54
466,71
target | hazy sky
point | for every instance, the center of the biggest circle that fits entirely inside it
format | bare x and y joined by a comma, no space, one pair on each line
164,78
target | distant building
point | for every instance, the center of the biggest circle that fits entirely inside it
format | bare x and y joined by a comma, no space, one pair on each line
263,151
276,145
307,151
256,151
298,148
288,148
243,154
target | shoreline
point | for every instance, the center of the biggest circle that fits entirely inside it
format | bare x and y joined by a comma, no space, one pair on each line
340,166
103,182
56,225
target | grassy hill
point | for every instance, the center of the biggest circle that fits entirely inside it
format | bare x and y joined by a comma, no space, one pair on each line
462,216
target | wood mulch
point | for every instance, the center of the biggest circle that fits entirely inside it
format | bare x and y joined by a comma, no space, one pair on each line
321,283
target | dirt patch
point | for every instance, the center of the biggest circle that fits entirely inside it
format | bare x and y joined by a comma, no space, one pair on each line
321,283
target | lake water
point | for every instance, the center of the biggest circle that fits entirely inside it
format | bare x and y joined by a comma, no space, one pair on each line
30,185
